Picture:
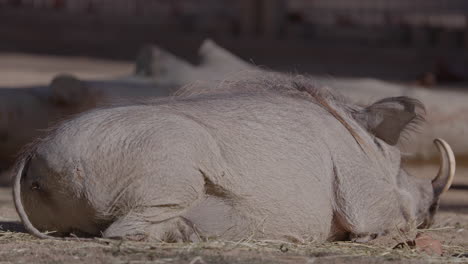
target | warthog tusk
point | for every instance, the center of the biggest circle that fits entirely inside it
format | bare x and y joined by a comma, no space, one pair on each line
442,182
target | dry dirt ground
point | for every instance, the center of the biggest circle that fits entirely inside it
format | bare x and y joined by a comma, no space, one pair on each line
451,227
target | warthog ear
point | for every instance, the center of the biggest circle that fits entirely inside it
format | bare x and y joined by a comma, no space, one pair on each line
389,117
67,90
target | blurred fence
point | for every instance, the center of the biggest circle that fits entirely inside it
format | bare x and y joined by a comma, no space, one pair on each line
160,9
446,13
437,13
211,15
292,18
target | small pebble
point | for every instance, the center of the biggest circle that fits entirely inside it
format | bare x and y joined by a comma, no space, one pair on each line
427,244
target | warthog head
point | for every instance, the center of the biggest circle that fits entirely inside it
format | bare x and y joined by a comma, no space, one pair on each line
387,119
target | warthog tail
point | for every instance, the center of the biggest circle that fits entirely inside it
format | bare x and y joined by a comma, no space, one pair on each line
20,171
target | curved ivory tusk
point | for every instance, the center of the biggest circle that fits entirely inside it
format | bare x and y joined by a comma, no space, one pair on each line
442,182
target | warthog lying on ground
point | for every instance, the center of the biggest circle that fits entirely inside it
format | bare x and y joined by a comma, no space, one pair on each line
277,158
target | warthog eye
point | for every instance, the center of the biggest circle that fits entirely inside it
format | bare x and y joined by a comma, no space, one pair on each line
35,186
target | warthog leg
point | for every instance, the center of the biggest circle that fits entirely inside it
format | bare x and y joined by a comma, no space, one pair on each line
158,215
135,227
364,238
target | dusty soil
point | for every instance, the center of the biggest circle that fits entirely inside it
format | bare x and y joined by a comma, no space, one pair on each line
451,227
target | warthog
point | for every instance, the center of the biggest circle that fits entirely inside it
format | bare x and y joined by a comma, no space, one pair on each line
275,159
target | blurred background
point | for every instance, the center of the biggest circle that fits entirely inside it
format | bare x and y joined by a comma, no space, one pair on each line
400,40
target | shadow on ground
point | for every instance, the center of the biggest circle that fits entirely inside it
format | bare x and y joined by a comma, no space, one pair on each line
459,187
16,227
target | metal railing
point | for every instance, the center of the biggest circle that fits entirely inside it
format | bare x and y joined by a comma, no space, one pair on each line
127,7
211,15
439,13
443,13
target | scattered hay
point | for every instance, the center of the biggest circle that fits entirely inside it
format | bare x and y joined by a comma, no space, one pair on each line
256,250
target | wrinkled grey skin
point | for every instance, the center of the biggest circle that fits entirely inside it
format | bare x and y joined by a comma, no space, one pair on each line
271,161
